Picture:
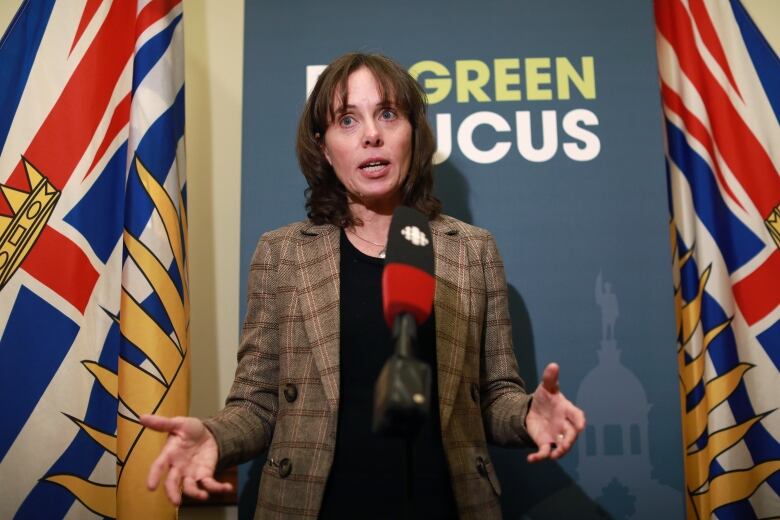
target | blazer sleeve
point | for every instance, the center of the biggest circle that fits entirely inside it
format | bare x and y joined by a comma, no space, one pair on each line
505,401
243,428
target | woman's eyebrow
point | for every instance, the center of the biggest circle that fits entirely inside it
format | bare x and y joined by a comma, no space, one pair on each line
386,103
343,108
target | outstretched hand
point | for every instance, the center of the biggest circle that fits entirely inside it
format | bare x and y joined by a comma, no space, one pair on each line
189,456
553,422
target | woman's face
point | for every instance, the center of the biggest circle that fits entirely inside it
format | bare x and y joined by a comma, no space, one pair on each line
369,144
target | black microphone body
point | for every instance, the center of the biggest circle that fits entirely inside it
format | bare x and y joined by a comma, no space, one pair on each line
402,393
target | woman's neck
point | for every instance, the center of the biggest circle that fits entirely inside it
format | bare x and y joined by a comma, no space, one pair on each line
374,218
373,226
372,230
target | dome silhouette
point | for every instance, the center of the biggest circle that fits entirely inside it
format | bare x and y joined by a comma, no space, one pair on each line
614,449
613,381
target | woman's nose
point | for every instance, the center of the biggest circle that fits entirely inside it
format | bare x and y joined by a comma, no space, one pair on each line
371,136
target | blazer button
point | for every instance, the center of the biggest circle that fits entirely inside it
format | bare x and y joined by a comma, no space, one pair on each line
475,392
290,392
285,468
482,467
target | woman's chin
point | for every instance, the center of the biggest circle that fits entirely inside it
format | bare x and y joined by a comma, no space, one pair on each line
379,199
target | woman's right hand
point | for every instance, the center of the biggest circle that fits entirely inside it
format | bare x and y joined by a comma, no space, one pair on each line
189,457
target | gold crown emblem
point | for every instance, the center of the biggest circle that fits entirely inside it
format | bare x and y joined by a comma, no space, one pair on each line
773,225
31,211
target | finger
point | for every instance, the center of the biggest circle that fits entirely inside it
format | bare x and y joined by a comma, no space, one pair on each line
543,453
162,463
173,486
191,489
214,486
550,378
560,450
159,423
564,441
156,470
577,418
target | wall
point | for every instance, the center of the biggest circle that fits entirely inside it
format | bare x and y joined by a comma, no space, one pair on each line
213,39
213,75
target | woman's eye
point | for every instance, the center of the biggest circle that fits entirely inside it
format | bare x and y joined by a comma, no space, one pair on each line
388,115
347,121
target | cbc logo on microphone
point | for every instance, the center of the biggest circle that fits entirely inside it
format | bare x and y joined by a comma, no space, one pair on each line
415,236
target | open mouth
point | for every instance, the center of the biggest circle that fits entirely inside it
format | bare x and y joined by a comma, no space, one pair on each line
373,165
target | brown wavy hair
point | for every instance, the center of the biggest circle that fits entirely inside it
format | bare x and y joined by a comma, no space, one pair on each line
326,196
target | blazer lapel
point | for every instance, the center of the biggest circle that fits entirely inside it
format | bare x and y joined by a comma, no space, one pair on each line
318,257
451,304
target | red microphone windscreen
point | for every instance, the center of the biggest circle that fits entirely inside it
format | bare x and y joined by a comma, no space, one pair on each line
406,288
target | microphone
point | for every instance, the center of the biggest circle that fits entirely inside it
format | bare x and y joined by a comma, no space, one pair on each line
403,390
408,284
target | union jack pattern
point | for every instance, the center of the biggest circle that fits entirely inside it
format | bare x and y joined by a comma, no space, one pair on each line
94,298
720,86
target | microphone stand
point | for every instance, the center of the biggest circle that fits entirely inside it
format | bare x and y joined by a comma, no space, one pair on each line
402,397
408,477
405,335
405,332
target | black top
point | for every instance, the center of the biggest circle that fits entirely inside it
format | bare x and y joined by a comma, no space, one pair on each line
368,472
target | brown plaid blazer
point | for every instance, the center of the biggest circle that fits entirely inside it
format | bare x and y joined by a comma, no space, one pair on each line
286,388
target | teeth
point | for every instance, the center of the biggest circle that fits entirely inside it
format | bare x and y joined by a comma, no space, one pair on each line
373,166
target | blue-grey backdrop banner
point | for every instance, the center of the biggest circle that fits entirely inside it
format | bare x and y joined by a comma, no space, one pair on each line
547,118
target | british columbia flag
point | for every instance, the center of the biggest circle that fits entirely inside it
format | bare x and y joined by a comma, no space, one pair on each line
720,86
93,289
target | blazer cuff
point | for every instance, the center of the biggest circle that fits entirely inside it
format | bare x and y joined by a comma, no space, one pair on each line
517,422
238,438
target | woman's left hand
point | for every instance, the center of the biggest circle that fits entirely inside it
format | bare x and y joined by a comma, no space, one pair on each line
553,422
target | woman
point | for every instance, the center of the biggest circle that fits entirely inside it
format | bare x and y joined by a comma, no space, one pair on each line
314,337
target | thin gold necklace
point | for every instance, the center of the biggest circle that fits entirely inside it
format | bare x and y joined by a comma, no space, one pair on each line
382,252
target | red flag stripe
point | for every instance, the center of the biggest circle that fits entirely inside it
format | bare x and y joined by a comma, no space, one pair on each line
153,11
55,254
68,129
737,144
710,39
759,294
118,121
696,129
86,16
